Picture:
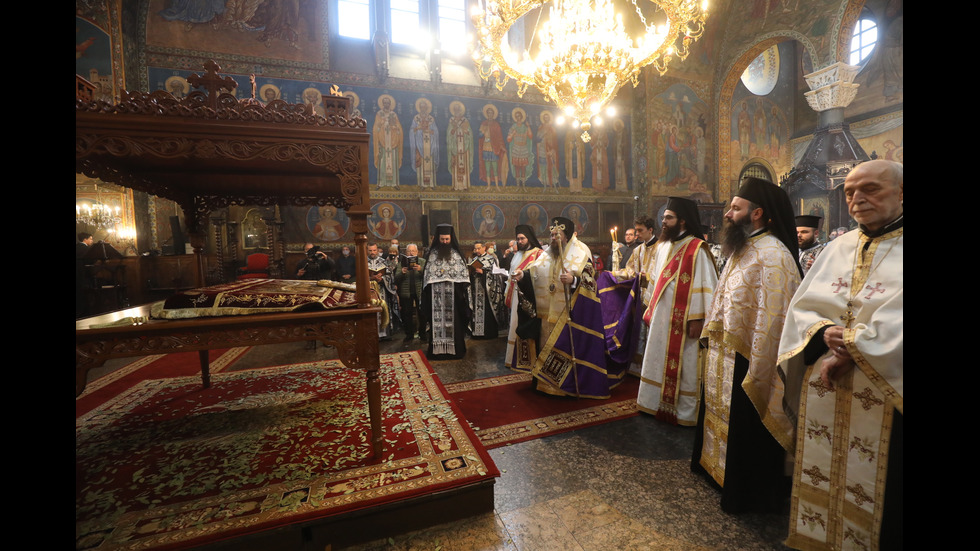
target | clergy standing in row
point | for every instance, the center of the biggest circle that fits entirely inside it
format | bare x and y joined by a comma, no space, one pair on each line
640,264
445,296
566,300
734,443
486,293
808,238
525,328
683,278
842,352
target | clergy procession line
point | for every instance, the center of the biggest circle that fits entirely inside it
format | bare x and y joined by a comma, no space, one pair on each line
794,384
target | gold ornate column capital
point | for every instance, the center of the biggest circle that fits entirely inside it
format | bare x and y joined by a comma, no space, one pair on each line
831,87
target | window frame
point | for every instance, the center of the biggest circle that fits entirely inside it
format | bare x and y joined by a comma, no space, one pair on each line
856,36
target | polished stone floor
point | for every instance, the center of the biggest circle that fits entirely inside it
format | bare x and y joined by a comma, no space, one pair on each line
625,485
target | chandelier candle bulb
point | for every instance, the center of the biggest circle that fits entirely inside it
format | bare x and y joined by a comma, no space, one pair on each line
584,54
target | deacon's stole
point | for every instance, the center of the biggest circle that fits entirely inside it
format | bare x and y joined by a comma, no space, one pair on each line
523,351
680,269
526,261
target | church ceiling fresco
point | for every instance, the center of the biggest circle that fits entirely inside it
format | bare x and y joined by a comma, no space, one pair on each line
281,31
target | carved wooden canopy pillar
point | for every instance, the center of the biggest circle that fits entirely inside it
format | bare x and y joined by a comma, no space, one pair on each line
210,150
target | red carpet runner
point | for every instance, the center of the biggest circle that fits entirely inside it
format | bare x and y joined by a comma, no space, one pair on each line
168,464
504,410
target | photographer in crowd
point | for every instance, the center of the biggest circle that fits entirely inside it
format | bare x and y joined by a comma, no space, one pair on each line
317,264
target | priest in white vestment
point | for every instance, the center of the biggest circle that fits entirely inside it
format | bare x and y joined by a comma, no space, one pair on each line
683,279
842,354
740,443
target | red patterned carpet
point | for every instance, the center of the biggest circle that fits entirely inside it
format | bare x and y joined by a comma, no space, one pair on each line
505,410
167,464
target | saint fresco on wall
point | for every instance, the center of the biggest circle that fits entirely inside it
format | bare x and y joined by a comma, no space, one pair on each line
387,220
492,150
488,220
424,144
577,214
677,154
759,130
459,146
327,223
536,216
387,140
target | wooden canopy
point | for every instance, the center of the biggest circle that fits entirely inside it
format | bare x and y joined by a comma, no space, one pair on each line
210,149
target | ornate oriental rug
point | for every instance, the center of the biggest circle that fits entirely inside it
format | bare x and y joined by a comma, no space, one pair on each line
157,366
168,464
505,410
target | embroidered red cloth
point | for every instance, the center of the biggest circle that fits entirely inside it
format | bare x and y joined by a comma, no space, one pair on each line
256,296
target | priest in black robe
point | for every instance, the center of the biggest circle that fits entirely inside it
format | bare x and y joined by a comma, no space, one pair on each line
486,294
445,296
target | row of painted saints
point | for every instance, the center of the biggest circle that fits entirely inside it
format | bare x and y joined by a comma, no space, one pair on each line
524,154
387,220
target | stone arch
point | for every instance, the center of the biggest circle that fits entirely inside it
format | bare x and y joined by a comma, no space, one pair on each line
727,92
849,15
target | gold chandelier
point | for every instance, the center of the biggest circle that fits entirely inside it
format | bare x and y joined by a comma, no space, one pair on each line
583,53
98,213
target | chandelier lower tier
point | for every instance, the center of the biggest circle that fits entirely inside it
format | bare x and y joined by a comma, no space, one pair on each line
582,54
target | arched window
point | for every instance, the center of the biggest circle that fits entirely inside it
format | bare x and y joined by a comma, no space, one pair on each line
863,40
756,170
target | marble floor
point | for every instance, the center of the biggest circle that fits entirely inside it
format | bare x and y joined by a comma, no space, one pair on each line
625,485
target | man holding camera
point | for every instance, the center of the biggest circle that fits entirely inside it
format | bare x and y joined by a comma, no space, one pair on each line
317,264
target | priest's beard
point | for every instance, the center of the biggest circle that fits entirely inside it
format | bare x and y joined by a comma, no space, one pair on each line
444,251
670,233
555,247
734,236
808,243
523,247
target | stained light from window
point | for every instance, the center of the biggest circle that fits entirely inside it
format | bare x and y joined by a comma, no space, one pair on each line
863,41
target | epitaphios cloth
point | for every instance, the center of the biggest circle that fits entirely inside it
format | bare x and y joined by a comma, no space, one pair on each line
167,464
257,296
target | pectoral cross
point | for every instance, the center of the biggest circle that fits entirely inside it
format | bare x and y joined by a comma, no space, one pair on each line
848,315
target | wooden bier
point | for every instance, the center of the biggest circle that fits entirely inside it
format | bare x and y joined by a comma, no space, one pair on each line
209,150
